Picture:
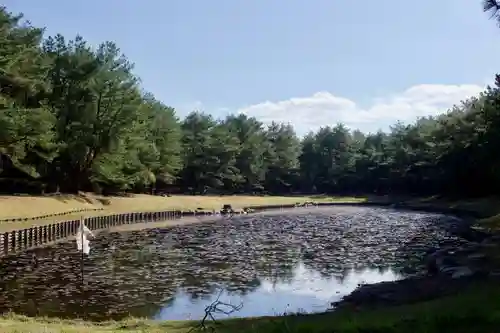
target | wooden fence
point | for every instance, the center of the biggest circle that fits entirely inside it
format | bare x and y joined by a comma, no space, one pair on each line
20,240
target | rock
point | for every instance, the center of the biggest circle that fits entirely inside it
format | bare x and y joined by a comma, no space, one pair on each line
227,209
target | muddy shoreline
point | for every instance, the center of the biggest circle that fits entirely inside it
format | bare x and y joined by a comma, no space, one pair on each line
450,269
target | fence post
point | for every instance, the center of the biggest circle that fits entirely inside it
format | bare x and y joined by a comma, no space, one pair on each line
25,238
13,241
35,236
5,242
31,237
51,233
44,239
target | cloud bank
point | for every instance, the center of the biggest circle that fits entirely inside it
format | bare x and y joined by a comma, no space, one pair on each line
323,108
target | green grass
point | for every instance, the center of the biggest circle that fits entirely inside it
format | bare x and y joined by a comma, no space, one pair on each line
476,309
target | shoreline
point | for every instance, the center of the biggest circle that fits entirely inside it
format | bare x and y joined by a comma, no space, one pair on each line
373,297
25,212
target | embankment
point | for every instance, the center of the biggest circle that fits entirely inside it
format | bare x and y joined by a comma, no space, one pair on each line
19,212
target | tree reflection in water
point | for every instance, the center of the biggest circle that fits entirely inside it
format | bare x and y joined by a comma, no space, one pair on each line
141,272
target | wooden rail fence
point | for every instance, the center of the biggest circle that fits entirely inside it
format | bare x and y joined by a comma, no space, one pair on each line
21,240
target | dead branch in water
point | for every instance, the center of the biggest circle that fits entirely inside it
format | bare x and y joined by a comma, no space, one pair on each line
217,307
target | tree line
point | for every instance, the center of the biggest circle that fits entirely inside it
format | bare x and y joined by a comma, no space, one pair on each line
75,117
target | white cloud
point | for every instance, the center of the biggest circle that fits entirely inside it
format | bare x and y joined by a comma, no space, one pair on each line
183,110
324,108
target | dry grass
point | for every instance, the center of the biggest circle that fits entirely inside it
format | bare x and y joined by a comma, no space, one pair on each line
152,203
32,206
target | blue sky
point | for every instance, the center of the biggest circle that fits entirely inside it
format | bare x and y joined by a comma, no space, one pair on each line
311,63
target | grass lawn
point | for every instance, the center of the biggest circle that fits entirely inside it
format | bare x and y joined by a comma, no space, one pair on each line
476,309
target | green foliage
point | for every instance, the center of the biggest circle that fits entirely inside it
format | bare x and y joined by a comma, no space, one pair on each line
75,118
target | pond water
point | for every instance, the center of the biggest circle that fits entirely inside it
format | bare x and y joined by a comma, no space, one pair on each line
305,291
300,260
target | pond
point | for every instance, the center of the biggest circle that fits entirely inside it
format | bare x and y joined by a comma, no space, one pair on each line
300,260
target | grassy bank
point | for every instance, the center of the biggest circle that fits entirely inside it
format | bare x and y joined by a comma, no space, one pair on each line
30,206
486,210
476,309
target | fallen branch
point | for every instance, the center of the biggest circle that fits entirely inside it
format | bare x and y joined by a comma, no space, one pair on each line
217,307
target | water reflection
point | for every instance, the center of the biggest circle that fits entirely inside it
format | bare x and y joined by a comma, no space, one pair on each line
306,291
286,261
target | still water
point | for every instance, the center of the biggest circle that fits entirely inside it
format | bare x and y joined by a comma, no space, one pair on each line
295,261
306,291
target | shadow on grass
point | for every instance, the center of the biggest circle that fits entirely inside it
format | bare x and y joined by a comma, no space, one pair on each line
70,197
